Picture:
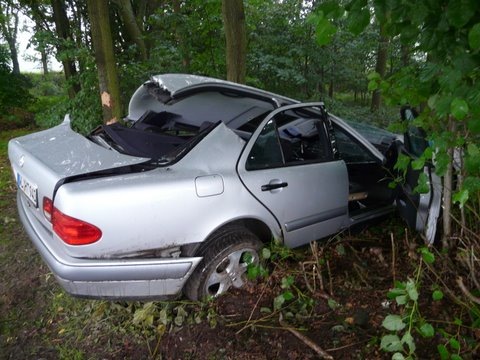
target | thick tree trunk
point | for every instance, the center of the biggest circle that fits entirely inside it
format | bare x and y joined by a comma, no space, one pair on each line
12,44
236,39
62,26
380,68
105,60
132,27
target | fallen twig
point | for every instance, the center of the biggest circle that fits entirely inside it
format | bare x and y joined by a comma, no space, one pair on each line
321,353
466,292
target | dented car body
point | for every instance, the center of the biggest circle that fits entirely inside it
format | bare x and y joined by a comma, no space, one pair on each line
205,172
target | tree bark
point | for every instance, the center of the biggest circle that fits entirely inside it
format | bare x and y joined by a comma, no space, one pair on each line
236,39
62,26
132,27
105,60
380,68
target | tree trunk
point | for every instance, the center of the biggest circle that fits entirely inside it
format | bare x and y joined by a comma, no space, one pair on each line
44,57
236,39
380,68
405,55
62,26
105,60
132,27
12,44
184,52
9,31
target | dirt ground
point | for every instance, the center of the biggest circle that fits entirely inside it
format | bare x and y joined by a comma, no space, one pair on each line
342,316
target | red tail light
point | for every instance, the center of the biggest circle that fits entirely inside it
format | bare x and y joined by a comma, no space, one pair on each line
47,208
70,230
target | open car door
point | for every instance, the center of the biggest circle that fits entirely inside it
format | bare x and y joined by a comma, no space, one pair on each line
420,211
289,167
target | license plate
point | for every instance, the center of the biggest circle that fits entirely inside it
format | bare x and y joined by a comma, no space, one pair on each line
28,188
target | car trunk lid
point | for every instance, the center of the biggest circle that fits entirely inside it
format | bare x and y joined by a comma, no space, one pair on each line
43,160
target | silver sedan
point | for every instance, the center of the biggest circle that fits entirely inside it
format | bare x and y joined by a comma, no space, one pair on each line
202,173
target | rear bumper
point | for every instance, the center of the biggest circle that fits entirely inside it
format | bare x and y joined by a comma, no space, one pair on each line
107,278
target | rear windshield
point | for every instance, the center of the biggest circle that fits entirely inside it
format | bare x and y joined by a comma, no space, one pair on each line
159,136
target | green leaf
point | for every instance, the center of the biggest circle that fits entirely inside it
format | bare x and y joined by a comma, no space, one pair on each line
392,294
288,295
456,357
437,295
324,31
418,164
179,320
473,150
402,162
474,125
392,184
460,197
287,282
373,76
398,356
412,290
163,316
265,310
391,343
423,186
442,350
454,344
408,339
331,9
459,12
266,253
373,85
459,108
427,330
332,304
393,323
401,300
278,302
358,20
253,272
432,100
427,255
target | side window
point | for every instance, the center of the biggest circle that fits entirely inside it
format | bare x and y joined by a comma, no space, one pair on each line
266,152
292,137
349,150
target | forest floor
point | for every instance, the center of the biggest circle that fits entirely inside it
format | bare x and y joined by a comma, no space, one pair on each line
340,311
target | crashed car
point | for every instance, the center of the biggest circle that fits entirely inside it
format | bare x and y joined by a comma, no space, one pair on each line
204,172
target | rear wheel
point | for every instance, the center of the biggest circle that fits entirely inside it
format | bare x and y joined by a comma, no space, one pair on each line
226,257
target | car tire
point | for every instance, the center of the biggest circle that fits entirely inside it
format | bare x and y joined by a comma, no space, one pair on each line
224,263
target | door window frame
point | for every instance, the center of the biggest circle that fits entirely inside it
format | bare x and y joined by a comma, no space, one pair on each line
323,132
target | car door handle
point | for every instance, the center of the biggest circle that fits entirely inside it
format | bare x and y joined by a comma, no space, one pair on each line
268,187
